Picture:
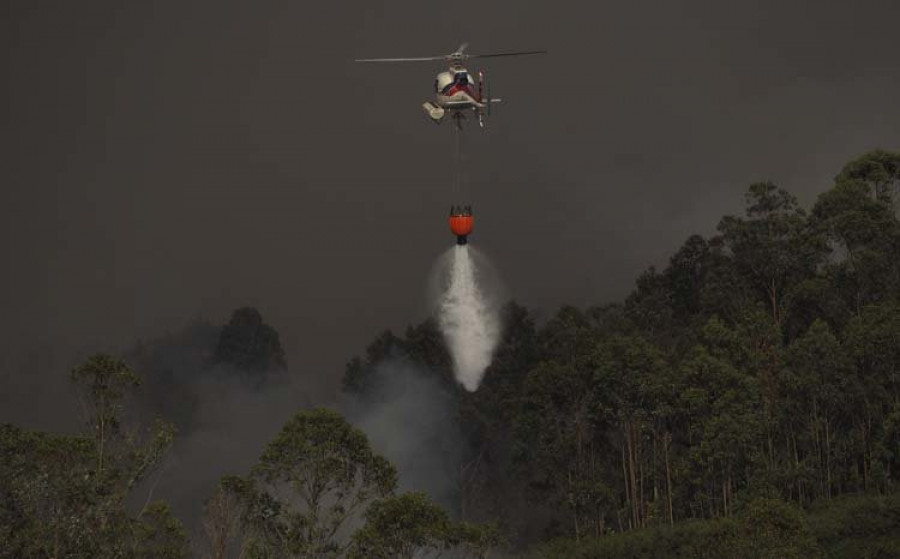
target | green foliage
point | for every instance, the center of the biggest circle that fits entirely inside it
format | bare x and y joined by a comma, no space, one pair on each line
49,502
411,526
318,451
772,248
64,496
487,418
760,363
317,474
104,381
159,535
170,367
250,345
878,170
756,375
765,529
422,346
773,528
858,527
554,425
858,219
759,366
399,527
313,481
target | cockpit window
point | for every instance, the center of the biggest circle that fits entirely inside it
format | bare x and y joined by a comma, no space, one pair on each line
460,80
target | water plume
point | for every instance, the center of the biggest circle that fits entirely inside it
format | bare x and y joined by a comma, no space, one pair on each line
466,315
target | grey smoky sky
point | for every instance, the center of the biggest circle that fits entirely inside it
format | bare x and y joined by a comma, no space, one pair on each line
170,160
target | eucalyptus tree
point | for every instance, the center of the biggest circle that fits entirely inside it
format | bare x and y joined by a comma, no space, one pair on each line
315,477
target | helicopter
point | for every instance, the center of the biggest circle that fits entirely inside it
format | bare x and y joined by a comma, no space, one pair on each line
455,91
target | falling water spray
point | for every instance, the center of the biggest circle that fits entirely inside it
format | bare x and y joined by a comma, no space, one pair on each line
467,314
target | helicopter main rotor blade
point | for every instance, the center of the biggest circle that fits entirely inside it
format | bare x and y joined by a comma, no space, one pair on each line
496,54
422,59
455,57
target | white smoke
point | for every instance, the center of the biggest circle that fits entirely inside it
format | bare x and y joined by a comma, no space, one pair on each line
467,316
409,417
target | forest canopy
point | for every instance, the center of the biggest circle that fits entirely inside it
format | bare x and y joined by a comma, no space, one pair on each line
742,401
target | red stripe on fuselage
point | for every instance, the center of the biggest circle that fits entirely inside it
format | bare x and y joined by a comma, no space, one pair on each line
456,88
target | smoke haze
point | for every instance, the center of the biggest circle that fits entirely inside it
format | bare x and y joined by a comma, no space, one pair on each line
170,160
230,426
409,419
163,159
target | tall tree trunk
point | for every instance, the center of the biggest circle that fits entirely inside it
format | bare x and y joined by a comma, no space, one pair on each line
773,298
632,475
796,456
724,495
625,477
827,458
654,470
668,439
817,442
101,443
574,505
640,474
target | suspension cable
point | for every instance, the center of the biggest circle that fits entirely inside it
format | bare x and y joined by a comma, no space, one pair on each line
457,185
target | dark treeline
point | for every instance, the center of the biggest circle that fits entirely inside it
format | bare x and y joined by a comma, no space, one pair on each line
761,363
744,401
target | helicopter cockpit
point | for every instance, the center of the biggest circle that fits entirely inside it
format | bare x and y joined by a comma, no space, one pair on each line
447,82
